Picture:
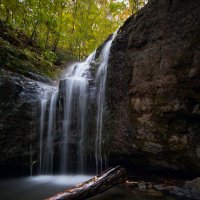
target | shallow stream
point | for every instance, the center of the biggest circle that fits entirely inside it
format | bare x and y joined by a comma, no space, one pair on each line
40,187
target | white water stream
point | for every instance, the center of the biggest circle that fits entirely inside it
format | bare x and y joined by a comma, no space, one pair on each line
72,96
101,87
76,94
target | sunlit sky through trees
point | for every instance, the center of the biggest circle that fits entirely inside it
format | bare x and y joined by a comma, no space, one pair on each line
76,26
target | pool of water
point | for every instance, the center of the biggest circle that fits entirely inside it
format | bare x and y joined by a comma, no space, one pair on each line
40,187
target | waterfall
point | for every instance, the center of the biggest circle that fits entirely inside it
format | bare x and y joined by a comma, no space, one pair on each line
83,100
76,85
101,85
31,160
42,120
46,91
48,163
65,116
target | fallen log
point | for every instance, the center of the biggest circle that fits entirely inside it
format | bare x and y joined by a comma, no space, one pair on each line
94,186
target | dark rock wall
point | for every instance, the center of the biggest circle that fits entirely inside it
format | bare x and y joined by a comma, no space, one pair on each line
153,88
19,101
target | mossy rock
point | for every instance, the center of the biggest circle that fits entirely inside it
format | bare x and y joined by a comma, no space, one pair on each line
23,60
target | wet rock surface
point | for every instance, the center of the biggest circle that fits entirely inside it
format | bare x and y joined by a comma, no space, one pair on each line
19,101
189,189
153,95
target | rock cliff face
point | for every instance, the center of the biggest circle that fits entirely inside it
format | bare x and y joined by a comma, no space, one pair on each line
153,88
19,99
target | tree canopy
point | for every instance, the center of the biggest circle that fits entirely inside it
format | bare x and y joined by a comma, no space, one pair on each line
76,26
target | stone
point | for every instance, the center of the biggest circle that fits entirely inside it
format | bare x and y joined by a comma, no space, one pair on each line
152,147
19,102
190,189
198,151
153,83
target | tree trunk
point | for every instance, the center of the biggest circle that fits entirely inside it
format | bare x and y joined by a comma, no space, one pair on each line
94,186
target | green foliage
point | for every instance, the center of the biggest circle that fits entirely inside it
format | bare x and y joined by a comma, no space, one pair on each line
49,55
135,5
77,26
24,60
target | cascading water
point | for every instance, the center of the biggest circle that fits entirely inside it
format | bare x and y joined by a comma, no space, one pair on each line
48,160
43,105
76,84
67,116
45,93
101,85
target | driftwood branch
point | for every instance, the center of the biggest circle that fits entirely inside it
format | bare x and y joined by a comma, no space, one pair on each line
94,186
